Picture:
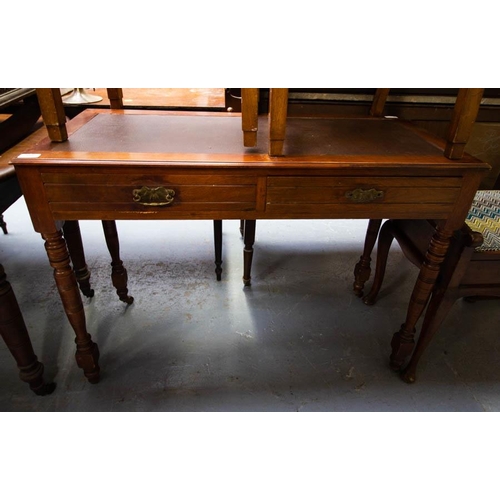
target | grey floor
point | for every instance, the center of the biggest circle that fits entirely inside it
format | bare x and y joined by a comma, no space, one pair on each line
296,340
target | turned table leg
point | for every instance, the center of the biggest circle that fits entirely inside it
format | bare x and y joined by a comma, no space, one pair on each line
73,237
403,341
218,248
118,272
362,269
249,240
15,335
87,352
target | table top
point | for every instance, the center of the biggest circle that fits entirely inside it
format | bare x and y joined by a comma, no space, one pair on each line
173,165
149,137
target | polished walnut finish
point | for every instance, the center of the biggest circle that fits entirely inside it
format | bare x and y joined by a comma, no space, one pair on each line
202,159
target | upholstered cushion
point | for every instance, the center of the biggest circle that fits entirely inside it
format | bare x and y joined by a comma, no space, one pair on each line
484,217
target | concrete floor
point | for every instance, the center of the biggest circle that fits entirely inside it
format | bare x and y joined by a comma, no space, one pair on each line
297,340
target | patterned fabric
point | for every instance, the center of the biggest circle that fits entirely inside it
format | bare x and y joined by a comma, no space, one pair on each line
484,217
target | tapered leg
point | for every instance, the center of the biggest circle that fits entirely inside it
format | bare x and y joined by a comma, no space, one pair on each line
53,113
73,237
218,248
403,341
249,239
87,352
437,310
242,227
362,269
15,335
118,272
249,115
385,239
278,102
115,97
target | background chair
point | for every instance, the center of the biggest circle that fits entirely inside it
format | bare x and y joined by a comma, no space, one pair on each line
471,268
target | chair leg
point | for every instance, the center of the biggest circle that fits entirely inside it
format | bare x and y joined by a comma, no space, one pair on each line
242,227
385,238
362,269
437,310
73,237
118,272
3,225
278,102
218,248
15,335
249,115
249,239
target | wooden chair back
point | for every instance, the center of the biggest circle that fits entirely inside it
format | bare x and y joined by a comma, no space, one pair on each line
54,117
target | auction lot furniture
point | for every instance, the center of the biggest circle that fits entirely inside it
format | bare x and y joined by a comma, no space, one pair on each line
165,165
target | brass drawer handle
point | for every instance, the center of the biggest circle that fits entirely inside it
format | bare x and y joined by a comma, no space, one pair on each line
153,196
364,195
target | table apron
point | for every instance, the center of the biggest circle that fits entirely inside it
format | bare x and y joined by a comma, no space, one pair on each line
231,195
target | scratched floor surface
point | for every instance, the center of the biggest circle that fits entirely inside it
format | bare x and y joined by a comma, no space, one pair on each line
296,340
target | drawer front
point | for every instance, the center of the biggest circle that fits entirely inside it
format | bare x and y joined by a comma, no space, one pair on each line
175,194
353,197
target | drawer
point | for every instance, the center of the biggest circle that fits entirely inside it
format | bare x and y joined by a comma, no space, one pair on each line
92,193
361,196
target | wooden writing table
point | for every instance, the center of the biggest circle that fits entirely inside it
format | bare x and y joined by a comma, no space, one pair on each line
167,165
